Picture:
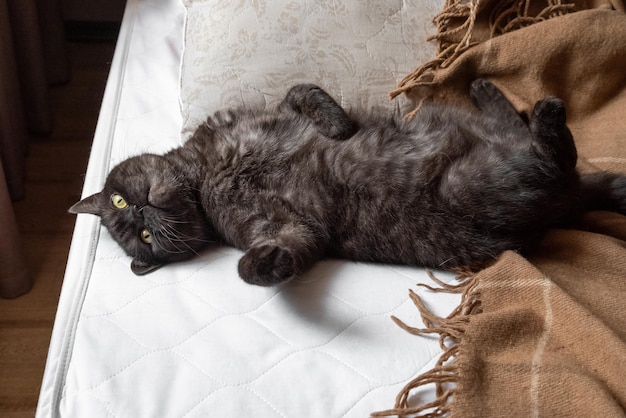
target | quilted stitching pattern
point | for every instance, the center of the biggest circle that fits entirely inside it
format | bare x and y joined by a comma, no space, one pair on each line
192,339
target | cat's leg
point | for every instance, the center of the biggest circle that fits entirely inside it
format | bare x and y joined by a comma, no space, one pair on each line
551,135
328,117
282,253
547,125
493,103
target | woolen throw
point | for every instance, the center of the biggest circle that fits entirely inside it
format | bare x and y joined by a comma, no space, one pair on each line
542,335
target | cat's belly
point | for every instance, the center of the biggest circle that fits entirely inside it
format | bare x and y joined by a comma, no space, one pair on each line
430,239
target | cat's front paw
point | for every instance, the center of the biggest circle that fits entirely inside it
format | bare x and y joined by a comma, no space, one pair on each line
267,265
326,114
221,118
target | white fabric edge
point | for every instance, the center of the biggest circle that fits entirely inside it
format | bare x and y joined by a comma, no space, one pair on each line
86,231
180,68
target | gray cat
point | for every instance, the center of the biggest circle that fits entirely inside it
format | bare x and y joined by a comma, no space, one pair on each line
449,189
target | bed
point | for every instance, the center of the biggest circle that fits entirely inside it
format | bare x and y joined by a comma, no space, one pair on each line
192,339
536,335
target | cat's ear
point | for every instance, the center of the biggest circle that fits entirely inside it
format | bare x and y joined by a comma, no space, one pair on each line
141,267
91,204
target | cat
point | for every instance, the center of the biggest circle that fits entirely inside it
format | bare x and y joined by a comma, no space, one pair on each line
452,188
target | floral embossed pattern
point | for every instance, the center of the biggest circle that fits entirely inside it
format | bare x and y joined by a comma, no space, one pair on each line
251,51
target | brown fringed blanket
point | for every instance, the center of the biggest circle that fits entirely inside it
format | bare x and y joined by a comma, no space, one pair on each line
543,336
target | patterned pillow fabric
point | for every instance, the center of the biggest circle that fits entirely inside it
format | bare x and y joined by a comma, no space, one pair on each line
251,51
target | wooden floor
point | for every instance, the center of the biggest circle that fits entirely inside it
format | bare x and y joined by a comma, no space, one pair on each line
55,169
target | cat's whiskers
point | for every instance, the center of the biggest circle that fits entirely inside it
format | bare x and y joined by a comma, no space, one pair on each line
174,221
172,240
178,234
175,237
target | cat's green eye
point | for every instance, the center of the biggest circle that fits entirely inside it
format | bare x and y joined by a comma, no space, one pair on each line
146,236
118,201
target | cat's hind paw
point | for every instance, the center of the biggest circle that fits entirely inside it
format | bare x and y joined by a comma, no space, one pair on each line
550,112
267,265
484,93
547,125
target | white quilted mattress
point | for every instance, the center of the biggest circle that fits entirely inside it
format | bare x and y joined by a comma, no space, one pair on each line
192,339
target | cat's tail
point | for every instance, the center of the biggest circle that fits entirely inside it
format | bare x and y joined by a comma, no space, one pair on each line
603,191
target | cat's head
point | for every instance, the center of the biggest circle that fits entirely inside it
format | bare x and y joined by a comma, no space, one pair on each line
150,211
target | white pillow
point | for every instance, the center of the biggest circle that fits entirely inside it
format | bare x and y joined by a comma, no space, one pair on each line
252,51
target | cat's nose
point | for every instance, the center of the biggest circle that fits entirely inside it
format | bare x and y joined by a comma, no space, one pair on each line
137,210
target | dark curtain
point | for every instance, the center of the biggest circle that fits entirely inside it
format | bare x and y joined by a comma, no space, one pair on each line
32,56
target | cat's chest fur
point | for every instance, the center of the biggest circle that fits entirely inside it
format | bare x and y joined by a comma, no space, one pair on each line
259,165
259,155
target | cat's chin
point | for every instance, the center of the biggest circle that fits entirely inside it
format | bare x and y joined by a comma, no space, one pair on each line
141,268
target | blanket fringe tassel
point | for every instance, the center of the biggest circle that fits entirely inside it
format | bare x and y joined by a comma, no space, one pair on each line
454,38
450,331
